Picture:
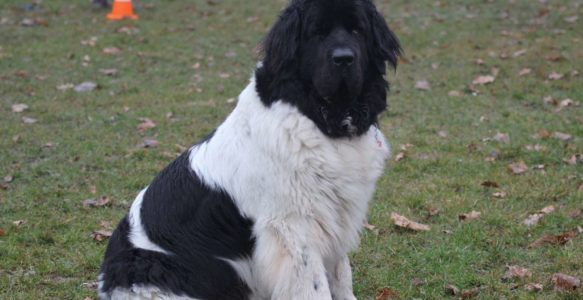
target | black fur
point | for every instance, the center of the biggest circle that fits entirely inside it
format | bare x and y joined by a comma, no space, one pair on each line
297,68
196,224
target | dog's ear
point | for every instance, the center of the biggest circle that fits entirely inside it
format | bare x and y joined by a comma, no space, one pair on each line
385,43
280,46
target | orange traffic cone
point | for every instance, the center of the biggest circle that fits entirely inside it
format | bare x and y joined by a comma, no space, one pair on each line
122,9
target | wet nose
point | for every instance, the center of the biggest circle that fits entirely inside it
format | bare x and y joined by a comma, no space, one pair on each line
343,57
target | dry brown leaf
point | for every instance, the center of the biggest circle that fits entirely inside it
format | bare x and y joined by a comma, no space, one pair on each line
454,93
386,294
500,195
417,282
575,213
483,80
563,282
20,107
8,178
400,156
543,134
502,138
369,226
489,183
556,76
524,72
516,272
18,223
102,201
101,235
108,72
561,136
406,223
2,232
561,239
470,216
471,293
111,51
574,159
536,148
146,124
518,168
533,287
572,19
27,120
423,85
519,53
150,143
533,219
548,209
452,290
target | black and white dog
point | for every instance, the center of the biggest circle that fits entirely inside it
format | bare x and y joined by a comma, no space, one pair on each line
269,205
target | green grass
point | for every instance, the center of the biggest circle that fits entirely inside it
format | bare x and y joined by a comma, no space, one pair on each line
95,140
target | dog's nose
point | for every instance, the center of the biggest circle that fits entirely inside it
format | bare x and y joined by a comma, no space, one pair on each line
343,57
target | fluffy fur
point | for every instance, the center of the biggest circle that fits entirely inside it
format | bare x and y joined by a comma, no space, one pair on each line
269,205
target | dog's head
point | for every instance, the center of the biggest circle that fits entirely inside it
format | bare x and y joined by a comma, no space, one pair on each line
328,57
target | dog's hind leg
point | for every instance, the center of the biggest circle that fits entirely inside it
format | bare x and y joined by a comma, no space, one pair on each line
294,268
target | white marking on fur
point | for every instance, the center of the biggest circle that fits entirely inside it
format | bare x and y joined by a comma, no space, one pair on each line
138,236
142,292
307,193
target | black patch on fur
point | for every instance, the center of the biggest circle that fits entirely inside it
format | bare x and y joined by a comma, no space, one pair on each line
297,69
197,224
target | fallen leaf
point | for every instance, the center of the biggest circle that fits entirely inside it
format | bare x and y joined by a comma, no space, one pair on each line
524,72
92,285
8,178
400,156
403,222
66,86
86,86
561,239
146,124
101,235
500,195
533,287
416,282
369,226
563,282
519,53
102,201
516,272
548,209
561,136
469,216
571,19
502,138
555,76
2,232
518,168
27,120
111,50
483,80
454,93
536,148
150,143
386,294
442,133
532,219
574,159
543,134
471,293
423,85
108,72
20,107
89,42
491,184
575,213
452,290
18,223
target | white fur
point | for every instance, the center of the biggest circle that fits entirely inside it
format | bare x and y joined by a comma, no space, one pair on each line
137,235
307,193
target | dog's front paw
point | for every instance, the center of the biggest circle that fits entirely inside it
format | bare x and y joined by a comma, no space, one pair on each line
343,296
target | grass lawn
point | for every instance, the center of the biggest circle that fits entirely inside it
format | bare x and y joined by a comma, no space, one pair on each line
182,64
